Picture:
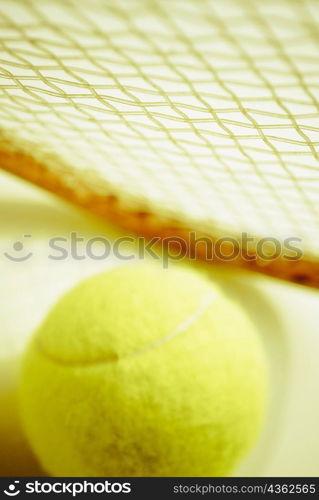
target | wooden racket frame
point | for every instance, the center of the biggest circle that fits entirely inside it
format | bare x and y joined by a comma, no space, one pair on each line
302,270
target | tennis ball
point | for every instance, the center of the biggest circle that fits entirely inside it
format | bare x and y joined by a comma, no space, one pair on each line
141,371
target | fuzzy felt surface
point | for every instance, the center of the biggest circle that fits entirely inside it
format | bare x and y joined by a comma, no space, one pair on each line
143,372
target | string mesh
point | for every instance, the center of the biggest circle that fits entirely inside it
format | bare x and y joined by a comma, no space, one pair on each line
205,110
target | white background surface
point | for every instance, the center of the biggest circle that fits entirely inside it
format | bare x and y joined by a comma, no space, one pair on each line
287,317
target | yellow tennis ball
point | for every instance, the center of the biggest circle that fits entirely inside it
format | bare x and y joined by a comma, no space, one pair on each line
141,371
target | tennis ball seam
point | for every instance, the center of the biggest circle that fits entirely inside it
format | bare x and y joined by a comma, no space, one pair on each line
183,327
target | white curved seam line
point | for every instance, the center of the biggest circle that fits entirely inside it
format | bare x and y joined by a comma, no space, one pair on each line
205,304
187,323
